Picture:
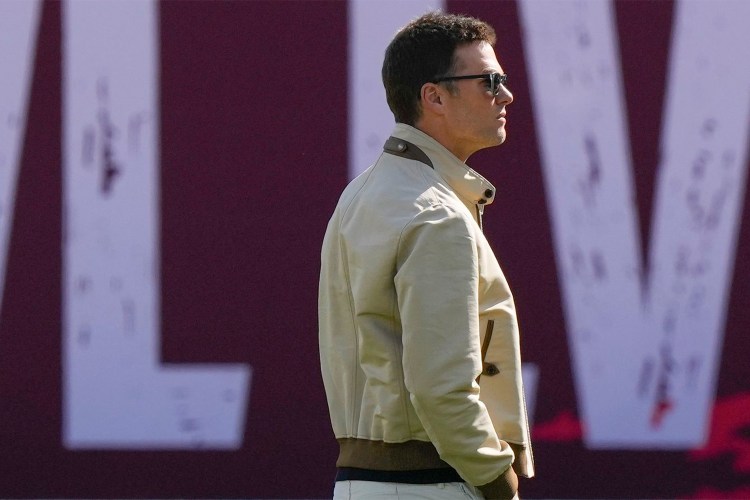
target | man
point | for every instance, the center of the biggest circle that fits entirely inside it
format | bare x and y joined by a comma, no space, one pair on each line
419,342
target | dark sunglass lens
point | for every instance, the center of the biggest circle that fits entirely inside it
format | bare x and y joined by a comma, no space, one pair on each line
496,79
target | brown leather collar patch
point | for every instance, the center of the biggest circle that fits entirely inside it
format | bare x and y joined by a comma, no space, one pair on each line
406,149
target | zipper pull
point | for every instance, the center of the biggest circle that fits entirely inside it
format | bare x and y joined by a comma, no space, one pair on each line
480,212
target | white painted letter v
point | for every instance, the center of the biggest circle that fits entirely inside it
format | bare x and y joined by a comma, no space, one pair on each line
645,362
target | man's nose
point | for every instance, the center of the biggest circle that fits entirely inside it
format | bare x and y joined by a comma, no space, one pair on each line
504,95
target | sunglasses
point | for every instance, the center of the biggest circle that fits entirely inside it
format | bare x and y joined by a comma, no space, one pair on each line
493,79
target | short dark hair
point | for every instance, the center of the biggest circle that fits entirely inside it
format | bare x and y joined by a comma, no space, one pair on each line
424,50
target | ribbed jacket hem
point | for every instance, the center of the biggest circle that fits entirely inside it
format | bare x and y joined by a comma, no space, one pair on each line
379,455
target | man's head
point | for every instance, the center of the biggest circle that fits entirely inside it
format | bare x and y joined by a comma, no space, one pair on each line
419,73
424,50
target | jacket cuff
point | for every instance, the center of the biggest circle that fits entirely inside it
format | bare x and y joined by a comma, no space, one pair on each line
502,488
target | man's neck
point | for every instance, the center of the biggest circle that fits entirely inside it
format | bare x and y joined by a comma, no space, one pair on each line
441,135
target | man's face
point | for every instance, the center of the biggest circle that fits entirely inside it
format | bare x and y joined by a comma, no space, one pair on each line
475,118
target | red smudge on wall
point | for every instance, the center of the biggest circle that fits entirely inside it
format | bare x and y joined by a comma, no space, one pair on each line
711,494
564,427
729,434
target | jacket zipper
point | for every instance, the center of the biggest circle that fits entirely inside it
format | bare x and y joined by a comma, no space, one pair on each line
490,323
480,209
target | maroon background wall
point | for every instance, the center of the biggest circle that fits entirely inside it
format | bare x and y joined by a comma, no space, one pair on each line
254,155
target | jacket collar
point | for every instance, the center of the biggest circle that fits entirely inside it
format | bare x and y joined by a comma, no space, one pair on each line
465,181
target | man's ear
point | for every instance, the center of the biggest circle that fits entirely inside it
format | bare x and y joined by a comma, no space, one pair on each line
432,97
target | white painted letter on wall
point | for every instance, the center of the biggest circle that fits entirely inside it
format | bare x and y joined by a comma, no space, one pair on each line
645,363
117,394
19,22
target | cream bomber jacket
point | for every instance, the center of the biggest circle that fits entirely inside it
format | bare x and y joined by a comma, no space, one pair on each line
410,296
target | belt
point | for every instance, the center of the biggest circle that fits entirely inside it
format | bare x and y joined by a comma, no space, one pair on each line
424,476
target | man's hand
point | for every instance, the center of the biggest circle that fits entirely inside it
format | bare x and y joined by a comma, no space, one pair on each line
502,488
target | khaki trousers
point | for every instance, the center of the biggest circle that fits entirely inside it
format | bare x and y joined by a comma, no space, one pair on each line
372,490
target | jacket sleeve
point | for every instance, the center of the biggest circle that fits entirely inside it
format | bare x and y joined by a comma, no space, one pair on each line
437,286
